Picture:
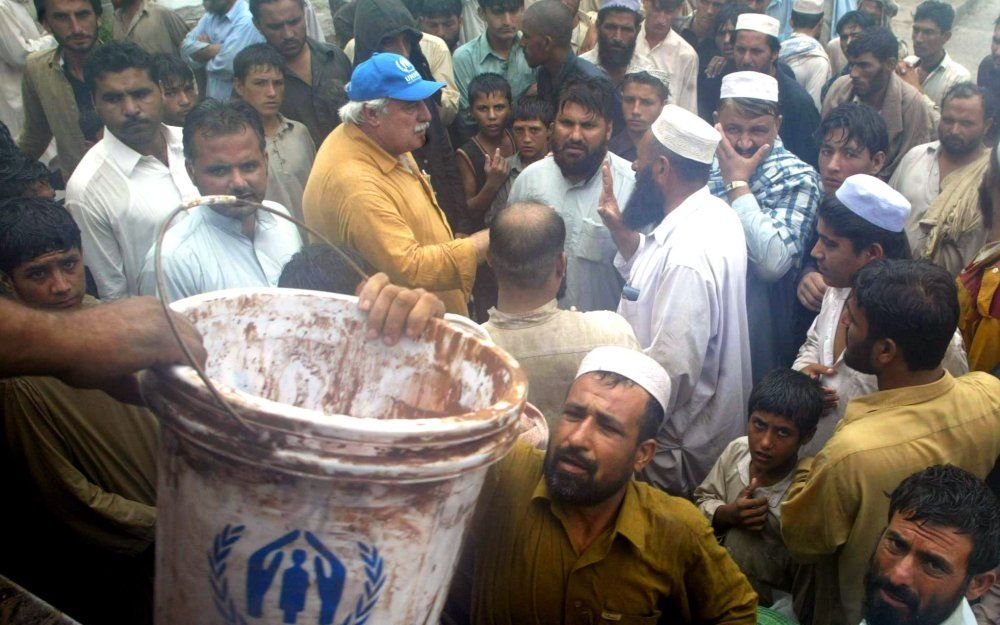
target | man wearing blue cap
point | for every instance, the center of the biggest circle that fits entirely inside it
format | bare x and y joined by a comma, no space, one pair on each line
366,191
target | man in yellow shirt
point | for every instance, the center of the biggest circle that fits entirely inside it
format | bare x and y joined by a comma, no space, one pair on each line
366,191
900,319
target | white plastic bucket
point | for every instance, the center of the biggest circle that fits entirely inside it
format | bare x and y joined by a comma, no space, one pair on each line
346,500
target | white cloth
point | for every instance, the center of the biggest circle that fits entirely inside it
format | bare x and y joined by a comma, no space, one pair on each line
918,178
961,616
847,382
119,198
592,282
809,62
634,365
233,31
752,85
686,134
208,252
472,24
760,23
946,75
313,28
678,58
20,35
690,316
874,201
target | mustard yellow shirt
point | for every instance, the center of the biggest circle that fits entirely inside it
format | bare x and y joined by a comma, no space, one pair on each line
384,208
837,506
659,562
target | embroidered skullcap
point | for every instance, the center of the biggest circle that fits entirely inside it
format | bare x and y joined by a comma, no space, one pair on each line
809,7
753,85
660,75
625,5
685,134
874,201
632,364
758,22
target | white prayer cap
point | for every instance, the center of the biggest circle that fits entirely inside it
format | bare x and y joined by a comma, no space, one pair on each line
684,133
809,7
753,85
632,364
874,201
758,22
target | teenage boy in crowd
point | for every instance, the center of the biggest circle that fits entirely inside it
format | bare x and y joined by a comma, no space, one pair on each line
180,90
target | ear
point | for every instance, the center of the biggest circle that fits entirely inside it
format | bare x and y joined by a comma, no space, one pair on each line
778,124
189,168
946,36
7,283
715,118
644,454
238,87
878,161
806,437
875,251
607,135
884,351
561,264
980,584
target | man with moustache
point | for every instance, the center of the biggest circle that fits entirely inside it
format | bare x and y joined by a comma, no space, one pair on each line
133,178
571,537
618,24
226,28
685,296
224,246
570,181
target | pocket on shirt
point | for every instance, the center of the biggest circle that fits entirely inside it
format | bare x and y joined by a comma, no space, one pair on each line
594,241
609,617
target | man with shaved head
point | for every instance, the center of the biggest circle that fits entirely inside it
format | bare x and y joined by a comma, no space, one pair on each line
526,254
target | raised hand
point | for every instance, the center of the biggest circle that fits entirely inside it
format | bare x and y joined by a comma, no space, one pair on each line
811,289
497,169
733,165
607,205
815,371
747,512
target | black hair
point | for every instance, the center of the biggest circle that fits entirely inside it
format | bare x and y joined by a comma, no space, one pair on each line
552,19
913,303
879,40
170,69
645,78
115,57
652,417
667,5
949,497
530,107
805,20
941,13
30,227
319,267
968,89
861,232
255,7
486,84
860,123
789,394
17,171
858,18
500,6
96,5
525,242
440,8
730,13
214,117
596,94
343,22
751,107
603,14
7,143
991,179
259,55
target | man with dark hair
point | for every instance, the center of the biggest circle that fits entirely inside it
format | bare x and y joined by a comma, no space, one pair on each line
570,181
802,51
618,24
21,176
908,115
756,49
644,94
775,195
153,27
442,18
988,76
850,25
686,297
860,223
224,246
931,69
226,28
318,267
57,102
317,72
950,519
901,318
698,28
180,90
526,254
668,52
127,183
941,180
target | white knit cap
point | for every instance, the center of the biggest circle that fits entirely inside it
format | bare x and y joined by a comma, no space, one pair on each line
874,201
632,364
684,133
758,22
753,85
809,7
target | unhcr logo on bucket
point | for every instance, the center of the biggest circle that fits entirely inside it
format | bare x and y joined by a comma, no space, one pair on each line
407,68
296,578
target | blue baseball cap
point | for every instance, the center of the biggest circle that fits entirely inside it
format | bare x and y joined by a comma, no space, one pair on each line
389,75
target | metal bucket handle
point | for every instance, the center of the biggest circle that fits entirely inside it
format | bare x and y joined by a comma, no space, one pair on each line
216,200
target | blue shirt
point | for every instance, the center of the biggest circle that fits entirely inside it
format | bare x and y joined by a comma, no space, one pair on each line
477,57
208,252
234,31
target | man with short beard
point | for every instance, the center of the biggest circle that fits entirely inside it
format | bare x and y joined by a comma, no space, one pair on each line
618,24
686,296
226,28
941,180
569,180
950,519
572,537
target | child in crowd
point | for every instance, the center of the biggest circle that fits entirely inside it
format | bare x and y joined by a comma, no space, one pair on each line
180,91
532,123
742,494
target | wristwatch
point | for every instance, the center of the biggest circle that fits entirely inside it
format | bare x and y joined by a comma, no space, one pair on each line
736,184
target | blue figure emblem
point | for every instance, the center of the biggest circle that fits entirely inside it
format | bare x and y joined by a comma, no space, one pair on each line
260,576
294,584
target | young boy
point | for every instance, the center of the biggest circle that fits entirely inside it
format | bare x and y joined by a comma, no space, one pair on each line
532,124
644,94
742,494
180,91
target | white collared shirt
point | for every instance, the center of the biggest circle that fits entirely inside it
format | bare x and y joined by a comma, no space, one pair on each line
119,198
961,616
679,59
691,317
918,178
946,75
208,252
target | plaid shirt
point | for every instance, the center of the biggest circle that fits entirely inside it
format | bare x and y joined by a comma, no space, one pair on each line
784,199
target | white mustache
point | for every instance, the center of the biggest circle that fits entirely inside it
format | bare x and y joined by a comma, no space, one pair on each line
419,128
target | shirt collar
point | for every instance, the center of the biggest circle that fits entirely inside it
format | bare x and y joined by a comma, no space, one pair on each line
385,161
125,157
629,522
962,615
484,51
532,317
230,225
865,405
239,7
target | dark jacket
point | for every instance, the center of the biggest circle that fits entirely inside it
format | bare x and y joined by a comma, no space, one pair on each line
375,20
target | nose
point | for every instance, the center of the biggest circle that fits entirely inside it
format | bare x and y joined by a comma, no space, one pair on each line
901,572
130,108
744,142
59,283
271,91
183,100
766,441
579,435
237,181
833,165
817,251
634,110
855,73
75,25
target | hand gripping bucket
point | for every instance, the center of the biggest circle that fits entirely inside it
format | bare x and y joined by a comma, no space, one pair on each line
342,494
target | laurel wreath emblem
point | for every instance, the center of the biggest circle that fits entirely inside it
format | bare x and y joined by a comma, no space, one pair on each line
222,546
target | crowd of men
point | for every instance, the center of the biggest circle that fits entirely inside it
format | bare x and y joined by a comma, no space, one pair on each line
748,255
